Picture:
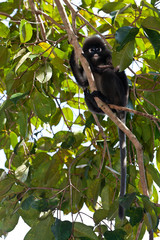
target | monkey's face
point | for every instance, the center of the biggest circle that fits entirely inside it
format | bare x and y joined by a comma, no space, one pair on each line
94,53
97,55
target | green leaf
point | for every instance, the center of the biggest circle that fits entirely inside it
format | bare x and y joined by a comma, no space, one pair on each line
45,48
3,119
154,63
127,200
135,214
99,215
5,185
158,158
69,141
69,84
112,6
55,119
93,190
44,74
44,106
17,96
41,205
26,204
25,31
58,63
6,7
22,60
154,38
23,123
76,194
155,196
104,27
41,230
79,137
151,23
4,56
77,102
151,217
44,205
146,133
105,197
148,222
153,98
117,234
81,230
125,57
62,136
68,114
9,222
21,173
4,30
60,53
14,139
19,53
124,35
154,173
62,229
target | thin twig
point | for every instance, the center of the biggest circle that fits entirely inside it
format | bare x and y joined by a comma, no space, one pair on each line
104,148
38,19
73,40
135,112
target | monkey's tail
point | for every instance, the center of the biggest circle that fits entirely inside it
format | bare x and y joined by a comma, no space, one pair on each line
122,138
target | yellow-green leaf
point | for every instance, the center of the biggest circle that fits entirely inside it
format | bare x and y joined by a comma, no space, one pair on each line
47,48
25,31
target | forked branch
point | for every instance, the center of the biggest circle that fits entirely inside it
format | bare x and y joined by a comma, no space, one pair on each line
73,40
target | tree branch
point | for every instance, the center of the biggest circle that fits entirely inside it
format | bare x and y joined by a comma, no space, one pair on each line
8,16
151,117
132,138
38,19
73,40
49,18
84,20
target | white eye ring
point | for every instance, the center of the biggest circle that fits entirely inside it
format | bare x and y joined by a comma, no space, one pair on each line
98,49
91,50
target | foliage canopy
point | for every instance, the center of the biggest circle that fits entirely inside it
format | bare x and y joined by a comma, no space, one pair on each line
59,168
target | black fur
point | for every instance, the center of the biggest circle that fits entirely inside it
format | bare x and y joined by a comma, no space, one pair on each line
112,88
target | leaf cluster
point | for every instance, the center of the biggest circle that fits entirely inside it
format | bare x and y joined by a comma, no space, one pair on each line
52,143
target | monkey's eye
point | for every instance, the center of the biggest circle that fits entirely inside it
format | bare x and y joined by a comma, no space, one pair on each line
95,50
98,49
91,50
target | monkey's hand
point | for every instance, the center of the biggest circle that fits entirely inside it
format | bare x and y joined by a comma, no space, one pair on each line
91,103
100,96
102,68
78,71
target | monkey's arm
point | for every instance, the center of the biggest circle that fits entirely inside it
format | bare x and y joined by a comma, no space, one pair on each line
124,81
78,72
100,96
90,101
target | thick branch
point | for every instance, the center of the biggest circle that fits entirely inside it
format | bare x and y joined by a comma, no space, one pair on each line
132,138
73,40
84,20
